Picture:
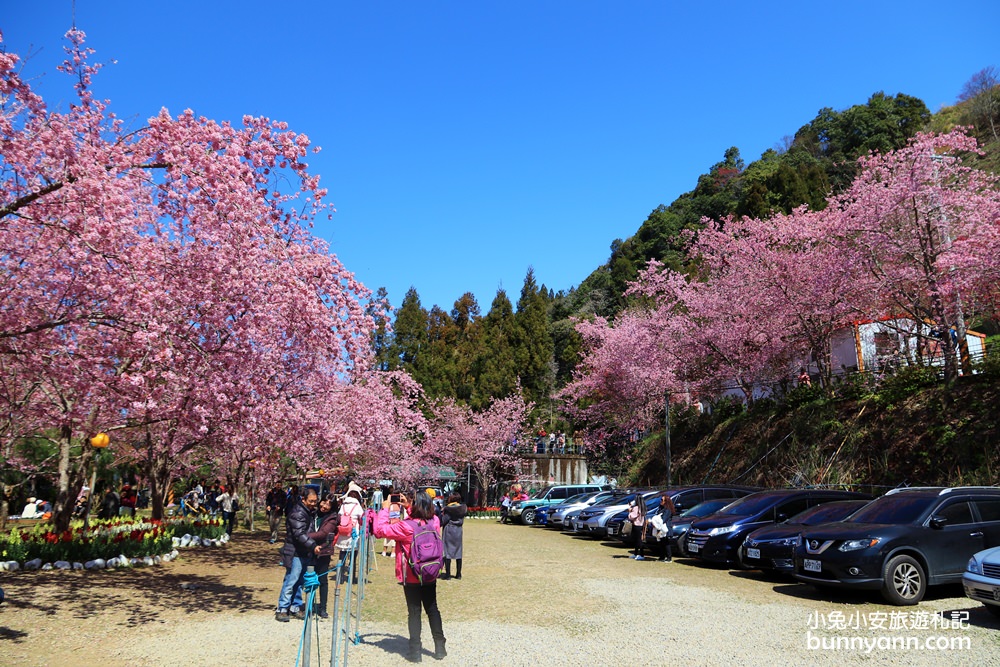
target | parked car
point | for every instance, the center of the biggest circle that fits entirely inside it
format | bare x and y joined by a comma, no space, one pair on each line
718,538
903,542
982,579
524,510
684,498
773,547
558,513
593,520
680,524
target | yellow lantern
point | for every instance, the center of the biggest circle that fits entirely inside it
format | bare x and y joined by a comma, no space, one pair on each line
100,441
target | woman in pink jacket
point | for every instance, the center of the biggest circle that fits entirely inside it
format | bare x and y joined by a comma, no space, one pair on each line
417,594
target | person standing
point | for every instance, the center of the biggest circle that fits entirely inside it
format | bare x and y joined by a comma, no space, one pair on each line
228,502
666,513
637,517
415,593
505,504
275,509
128,501
452,520
397,512
325,530
296,554
351,511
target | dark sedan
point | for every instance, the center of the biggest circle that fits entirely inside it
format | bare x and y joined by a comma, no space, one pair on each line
773,547
680,524
718,538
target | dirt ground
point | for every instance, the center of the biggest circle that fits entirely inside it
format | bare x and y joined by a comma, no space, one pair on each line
528,597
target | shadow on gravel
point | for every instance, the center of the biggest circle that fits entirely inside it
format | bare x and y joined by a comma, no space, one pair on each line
145,591
389,643
848,596
15,636
978,616
763,576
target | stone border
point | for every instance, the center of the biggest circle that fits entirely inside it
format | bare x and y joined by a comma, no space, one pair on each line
184,542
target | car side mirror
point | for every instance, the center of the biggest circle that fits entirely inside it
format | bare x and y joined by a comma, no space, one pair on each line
938,522
782,517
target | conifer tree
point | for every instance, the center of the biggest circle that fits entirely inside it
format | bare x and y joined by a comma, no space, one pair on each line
410,334
533,341
495,369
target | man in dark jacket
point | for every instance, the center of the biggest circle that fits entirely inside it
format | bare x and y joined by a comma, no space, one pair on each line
296,554
276,499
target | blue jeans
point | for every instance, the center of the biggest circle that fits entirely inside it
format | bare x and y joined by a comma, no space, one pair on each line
291,587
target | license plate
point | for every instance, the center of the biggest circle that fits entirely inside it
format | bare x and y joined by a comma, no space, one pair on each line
694,548
810,565
611,531
753,553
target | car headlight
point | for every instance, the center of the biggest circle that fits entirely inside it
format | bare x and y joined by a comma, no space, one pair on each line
790,541
857,545
517,505
722,530
974,566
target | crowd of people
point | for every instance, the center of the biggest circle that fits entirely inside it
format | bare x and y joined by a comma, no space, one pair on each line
321,527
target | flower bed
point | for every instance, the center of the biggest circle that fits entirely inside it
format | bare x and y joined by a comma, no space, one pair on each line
484,513
103,539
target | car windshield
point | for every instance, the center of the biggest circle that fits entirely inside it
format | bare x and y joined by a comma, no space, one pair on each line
893,509
617,499
825,513
749,505
578,498
707,507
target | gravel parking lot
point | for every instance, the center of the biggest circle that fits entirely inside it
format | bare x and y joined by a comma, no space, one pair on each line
528,597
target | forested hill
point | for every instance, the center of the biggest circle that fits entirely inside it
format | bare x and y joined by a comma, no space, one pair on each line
817,160
472,357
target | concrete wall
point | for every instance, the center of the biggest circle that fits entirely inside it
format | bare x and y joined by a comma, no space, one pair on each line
545,469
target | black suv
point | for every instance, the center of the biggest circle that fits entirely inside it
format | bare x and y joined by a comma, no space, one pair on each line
902,542
773,547
718,537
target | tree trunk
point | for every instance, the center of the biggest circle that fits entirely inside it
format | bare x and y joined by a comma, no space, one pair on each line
70,480
158,473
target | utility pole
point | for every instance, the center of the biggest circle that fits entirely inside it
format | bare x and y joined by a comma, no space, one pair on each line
666,428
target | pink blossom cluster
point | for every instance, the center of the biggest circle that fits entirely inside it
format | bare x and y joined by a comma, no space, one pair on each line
916,235
160,283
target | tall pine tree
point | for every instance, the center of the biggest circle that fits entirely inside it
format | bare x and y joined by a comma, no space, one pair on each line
495,368
533,342
410,334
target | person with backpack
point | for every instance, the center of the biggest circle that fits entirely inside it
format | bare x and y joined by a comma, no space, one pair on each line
419,559
349,527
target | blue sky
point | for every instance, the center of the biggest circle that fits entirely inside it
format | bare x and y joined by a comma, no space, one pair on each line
466,141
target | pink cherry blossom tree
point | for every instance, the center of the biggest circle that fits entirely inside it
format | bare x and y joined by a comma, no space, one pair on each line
918,232
486,441
161,283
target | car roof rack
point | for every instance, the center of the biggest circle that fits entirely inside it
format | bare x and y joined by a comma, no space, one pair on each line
915,488
953,489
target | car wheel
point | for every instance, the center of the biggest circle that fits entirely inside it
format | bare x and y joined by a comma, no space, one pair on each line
993,609
903,581
528,517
